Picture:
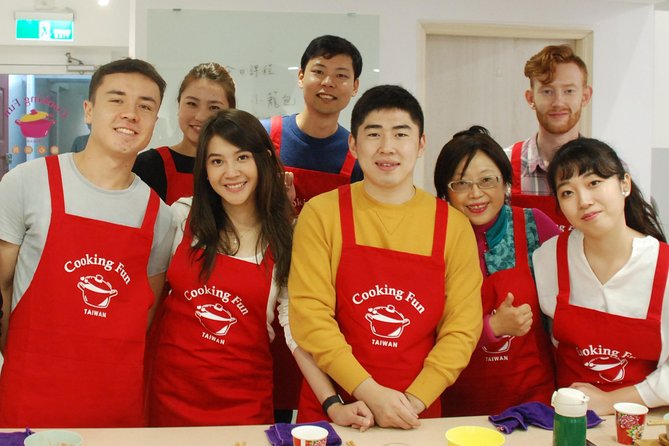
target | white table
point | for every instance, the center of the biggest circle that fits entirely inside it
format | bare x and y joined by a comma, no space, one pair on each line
431,433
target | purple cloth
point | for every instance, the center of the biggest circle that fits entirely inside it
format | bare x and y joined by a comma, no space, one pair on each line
14,438
279,434
535,414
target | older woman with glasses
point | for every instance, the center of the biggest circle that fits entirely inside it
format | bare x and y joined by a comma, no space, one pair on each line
512,363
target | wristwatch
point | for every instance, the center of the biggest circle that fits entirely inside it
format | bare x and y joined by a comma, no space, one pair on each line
329,401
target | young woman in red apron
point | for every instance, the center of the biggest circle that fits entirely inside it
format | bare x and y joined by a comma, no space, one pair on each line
69,352
608,318
206,89
212,363
514,364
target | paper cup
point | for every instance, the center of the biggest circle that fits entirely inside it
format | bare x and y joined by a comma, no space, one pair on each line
308,435
55,437
630,420
474,436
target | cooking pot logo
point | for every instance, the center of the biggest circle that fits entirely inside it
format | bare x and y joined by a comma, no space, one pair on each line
386,321
503,345
35,124
96,291
610,369
216,319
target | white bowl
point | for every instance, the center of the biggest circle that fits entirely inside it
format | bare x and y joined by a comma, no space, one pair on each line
55,437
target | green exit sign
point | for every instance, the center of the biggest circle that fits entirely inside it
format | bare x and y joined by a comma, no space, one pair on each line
45,30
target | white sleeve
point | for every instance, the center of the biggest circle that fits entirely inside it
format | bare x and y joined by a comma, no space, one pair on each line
180,210
12,219
283,320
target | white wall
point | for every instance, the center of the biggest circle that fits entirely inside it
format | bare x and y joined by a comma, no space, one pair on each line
623,46
100,35
661,84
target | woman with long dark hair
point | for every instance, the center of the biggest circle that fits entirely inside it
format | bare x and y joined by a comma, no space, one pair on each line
604,283
212,363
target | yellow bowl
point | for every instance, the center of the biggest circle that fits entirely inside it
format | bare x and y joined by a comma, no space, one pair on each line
474,436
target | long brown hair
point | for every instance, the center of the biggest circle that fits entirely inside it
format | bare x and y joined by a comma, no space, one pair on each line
208,217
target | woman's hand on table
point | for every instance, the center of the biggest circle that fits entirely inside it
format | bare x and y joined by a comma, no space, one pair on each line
602,402
509,320
356,414
390,407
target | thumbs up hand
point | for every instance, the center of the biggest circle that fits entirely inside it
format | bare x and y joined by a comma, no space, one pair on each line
509,320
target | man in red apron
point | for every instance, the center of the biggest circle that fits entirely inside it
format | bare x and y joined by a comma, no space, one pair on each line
84,248
385,284
558,92
314,147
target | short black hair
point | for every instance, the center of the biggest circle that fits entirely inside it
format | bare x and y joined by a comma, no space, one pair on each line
126,65
464,146
329,46
386,97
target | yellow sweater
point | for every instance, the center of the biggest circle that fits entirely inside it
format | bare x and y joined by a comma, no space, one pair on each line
407,227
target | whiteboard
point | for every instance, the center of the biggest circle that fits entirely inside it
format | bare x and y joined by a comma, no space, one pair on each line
261,50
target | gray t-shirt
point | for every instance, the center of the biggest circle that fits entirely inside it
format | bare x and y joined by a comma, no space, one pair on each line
25,214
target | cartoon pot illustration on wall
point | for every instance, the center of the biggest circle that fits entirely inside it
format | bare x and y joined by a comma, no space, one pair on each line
35,124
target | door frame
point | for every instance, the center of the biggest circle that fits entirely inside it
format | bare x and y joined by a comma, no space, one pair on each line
583,48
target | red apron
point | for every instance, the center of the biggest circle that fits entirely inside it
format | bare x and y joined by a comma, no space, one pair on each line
546,203
606,350
75,349
389,304
179,184
515,369
309,183
212,363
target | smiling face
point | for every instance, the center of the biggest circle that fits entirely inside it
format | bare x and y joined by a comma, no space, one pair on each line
123,113
328,84
593,204
387,145
199,100
232,173
558,103
481,206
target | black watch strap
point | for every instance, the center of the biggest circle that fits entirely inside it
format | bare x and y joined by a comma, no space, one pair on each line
329,401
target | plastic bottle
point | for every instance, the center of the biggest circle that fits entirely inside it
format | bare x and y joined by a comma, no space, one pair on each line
569,424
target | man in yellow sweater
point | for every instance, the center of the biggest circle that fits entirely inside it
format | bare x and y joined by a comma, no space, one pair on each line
385,281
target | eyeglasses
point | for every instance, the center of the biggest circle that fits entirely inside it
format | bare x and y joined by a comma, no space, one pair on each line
461,186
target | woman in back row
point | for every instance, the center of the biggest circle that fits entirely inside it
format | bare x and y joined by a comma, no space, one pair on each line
206,89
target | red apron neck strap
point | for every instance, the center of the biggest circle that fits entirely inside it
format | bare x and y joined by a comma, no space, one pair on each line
516,151
55,184
275,126
346,215
659,283
440,226
520,235
563,268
